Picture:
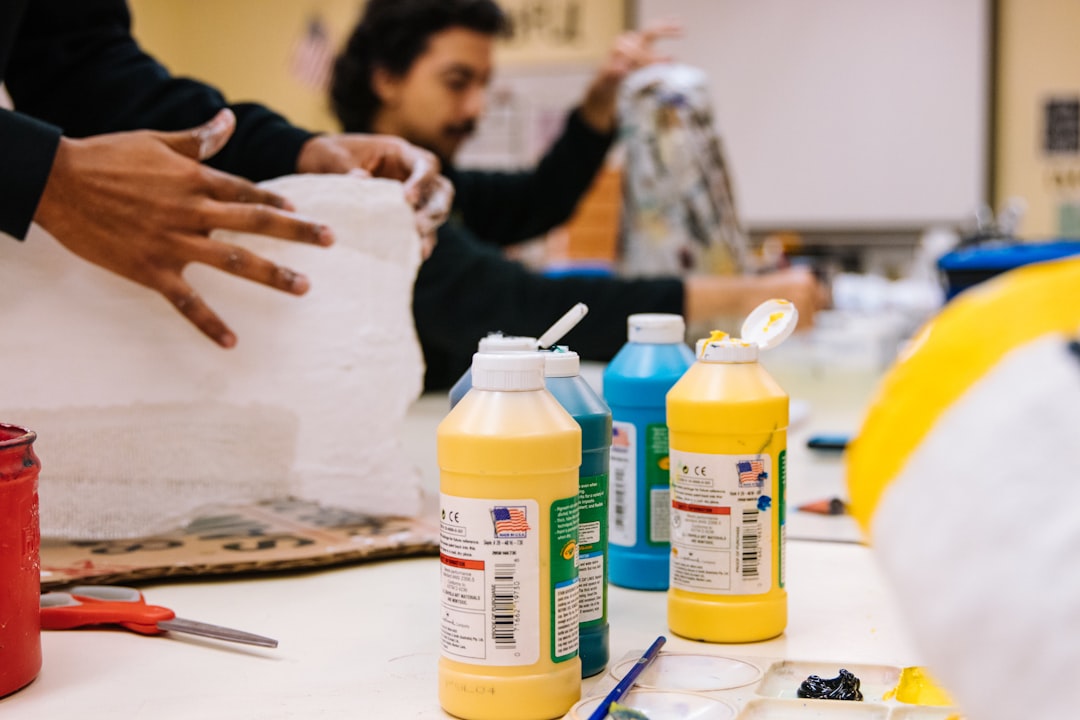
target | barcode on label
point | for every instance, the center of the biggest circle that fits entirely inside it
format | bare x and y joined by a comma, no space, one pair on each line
504,606
618,476
751,549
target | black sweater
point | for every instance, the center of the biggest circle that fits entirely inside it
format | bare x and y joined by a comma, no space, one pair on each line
72,67
467,288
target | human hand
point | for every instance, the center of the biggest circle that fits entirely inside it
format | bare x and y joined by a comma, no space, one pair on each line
710,297
632,50
386,156
141,205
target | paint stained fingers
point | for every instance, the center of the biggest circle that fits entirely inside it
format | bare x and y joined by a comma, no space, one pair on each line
266,220
435,207
243,263
189,304
424,178
231,189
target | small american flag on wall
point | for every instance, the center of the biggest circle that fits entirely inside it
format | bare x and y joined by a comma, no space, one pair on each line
312,59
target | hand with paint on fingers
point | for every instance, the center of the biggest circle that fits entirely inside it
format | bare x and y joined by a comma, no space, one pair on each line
142,205
631,51
387,156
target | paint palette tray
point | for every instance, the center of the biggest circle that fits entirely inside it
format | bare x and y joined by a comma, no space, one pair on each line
700,686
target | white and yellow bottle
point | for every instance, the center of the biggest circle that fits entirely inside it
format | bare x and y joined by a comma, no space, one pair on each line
509,457
728,421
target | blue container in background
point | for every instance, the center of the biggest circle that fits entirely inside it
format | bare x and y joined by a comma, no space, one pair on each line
972,264
564,381
636,383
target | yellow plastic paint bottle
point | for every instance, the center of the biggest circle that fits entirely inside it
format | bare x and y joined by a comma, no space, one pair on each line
728,421
509,457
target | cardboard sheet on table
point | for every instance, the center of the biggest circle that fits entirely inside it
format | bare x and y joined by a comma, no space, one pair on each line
269,536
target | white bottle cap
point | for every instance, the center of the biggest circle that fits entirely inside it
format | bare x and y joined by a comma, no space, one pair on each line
511,371
563,325
497,342
655,328
561,362
768,325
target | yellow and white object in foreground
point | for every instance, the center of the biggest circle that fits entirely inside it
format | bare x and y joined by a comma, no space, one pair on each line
728,422
966,475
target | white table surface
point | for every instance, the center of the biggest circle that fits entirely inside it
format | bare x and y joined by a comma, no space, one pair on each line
363,641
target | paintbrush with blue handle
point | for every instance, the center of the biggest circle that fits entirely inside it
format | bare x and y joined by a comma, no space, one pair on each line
629,679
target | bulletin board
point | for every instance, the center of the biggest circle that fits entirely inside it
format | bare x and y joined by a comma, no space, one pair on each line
560,31
845,113
541,72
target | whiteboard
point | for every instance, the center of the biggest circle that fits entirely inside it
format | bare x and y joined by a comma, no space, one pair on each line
844,113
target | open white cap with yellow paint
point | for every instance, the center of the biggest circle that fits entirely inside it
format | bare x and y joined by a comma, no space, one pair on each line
768,325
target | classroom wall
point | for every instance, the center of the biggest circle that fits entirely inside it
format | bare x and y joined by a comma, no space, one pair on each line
845,114
1039,62
245,47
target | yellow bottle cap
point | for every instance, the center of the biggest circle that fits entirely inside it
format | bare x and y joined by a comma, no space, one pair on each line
767,326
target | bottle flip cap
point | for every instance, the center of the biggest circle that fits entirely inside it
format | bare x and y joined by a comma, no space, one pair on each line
498,343
562,326
768,325
562,362
655,328
508,371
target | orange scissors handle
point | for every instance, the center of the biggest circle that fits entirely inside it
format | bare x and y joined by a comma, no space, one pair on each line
124,606
104,605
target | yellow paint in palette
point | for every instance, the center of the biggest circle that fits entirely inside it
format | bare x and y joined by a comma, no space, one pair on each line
916,687
621,712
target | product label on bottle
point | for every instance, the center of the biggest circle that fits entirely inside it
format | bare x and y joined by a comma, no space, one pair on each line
721,523
592,540
490,553
623,500
657,484
564,579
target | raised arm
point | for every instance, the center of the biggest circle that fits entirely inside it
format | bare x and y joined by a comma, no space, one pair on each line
505,208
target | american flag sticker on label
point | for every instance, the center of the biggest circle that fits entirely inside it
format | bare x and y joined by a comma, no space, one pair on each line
510,522
751,473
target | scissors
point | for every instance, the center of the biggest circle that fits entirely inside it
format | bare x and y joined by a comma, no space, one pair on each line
125,606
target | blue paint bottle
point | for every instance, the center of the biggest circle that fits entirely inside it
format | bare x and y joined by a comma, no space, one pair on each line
636,383
563,379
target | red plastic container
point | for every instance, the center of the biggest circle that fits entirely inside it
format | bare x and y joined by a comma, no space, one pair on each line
20,564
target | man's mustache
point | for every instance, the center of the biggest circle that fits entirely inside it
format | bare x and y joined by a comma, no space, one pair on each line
465,128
